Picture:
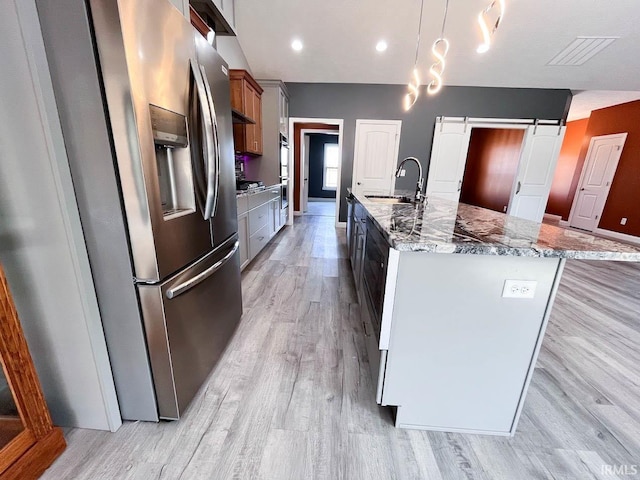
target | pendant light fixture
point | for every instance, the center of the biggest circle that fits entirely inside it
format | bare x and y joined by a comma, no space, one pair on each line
440,48
414,84
484,25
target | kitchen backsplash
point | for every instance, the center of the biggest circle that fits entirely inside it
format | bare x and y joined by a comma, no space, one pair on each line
240,167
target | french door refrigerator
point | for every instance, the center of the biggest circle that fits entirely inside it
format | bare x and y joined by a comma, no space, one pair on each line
144,106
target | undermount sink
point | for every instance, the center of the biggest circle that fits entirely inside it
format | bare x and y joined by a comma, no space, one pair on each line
388,199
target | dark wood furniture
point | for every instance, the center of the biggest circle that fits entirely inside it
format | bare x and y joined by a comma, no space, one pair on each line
246,98
32,443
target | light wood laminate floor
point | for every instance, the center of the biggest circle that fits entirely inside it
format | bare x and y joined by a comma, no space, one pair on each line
292,397
323,208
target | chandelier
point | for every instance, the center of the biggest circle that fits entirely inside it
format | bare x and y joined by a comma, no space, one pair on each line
440,48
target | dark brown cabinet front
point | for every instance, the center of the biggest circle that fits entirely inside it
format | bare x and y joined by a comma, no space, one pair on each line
374,272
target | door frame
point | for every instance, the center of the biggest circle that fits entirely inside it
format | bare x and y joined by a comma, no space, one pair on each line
329,121
303,152
494,123
612,136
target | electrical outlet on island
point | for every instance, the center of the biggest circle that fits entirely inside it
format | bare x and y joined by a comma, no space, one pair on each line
519,289
623,221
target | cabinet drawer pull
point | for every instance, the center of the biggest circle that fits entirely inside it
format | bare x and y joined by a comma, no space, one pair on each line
260,238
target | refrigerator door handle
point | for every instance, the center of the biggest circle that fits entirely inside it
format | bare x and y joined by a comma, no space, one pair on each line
209,150
212,205
193,281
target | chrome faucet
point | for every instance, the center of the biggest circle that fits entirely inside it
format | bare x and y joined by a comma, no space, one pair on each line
419,195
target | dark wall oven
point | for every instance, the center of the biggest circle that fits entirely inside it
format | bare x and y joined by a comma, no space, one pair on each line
284,170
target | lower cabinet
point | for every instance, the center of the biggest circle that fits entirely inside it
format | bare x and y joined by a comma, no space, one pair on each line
243,234
368,253
377,357
274,217
259,219
258,240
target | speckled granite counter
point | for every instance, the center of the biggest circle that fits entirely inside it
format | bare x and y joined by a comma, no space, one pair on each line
253,191
443,226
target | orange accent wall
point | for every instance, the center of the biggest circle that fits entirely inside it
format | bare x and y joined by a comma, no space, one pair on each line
624,196
492,163
562,189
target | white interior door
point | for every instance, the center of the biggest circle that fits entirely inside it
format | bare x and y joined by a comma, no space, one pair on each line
448,159
595,181
538,159
376,156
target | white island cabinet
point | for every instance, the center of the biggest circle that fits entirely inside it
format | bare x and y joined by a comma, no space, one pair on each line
455,300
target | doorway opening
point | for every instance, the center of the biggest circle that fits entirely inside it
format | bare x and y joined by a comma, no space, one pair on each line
317,161
491,167
320,170
531,152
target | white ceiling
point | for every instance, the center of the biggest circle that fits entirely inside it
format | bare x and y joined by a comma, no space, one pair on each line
584,103
340,36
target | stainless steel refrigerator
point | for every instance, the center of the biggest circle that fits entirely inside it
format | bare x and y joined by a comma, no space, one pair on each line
144,104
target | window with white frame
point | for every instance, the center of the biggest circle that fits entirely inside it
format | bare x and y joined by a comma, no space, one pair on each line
330,170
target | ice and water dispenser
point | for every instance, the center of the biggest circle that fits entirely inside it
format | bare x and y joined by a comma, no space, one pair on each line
175,174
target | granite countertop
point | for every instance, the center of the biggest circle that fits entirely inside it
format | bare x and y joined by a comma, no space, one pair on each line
443,226
253,191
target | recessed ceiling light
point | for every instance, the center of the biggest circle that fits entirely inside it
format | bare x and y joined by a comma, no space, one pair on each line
296,45
381,46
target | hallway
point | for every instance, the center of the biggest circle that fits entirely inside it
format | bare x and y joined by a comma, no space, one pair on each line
292,397
321,208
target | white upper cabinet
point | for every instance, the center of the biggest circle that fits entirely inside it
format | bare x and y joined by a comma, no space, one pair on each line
222,12
228,10
284,112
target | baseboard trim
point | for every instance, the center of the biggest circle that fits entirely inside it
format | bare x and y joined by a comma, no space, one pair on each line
564,223
617,235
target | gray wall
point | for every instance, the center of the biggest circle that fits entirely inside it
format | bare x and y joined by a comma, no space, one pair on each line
41,243
384,102
229,48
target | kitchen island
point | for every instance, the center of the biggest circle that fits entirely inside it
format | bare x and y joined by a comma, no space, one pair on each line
455,300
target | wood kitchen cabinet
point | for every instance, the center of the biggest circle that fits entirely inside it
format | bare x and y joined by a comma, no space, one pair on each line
246,98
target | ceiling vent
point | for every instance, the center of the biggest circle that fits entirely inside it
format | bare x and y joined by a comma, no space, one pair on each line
581,50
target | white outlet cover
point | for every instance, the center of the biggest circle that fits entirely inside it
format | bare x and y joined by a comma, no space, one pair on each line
623,221
519,289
